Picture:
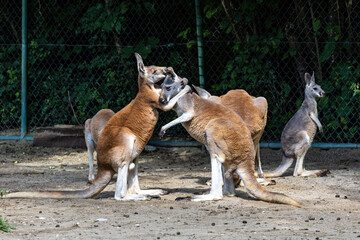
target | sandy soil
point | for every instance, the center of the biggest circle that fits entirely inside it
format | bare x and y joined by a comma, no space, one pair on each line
331,205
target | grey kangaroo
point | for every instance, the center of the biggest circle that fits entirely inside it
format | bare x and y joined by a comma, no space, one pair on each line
299,133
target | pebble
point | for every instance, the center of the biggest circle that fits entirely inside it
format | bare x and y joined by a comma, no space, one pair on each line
311,218
213,224
126,215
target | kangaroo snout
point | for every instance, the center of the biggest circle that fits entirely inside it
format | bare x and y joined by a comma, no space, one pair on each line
162,100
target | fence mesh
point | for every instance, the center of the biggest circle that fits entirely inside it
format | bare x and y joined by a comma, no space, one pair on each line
81,56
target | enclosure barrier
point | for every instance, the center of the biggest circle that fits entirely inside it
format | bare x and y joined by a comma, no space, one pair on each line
77,58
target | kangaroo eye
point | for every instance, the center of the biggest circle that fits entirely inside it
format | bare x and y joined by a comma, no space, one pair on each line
168,88
315,89
154,72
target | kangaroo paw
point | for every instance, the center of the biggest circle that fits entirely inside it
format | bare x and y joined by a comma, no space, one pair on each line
323,173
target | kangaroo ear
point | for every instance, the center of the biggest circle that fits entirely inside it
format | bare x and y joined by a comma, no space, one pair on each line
313,77
140,65
202,92
307,78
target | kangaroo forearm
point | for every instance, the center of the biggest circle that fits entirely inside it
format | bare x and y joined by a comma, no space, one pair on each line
317,121
183,118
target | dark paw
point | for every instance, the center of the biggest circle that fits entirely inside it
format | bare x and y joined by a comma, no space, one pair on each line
155,197
182,198
323,173
161,134
272,182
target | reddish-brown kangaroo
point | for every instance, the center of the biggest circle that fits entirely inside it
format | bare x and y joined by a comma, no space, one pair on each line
252,110
121,142
227,139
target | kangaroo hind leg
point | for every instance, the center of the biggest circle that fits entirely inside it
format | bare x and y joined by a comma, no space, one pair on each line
90,145
215,146
133,182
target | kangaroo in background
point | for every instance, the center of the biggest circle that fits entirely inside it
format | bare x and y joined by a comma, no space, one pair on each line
121,142
92,130
225,136
299,133
252,110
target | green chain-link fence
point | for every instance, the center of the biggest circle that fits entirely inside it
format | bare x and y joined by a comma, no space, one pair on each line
81,54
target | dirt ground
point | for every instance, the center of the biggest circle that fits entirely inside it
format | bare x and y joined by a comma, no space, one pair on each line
330,205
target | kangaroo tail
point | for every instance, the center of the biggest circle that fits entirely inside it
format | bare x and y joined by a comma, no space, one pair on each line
101,181
281,169
261,193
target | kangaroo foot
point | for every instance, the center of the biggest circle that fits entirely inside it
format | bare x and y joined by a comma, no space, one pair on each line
134,197
153,192
206,197
314,173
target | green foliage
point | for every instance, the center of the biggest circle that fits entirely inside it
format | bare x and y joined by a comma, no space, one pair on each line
5,227
84,52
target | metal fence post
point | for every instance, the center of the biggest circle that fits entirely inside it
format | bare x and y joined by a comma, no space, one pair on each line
199,42
23,69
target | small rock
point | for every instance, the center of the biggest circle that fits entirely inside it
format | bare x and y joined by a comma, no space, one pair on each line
311,218
213,224
126,215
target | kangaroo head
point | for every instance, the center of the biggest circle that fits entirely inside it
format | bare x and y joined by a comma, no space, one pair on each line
312,89
171,86
149,74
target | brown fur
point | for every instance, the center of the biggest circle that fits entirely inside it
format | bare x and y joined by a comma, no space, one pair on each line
96,124
122,139
228,141
252,110
226,134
